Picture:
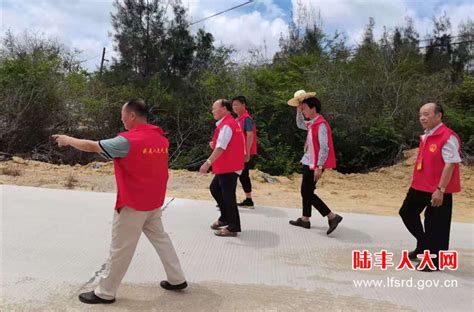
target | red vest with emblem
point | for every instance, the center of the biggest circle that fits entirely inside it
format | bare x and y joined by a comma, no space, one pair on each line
143,174
233,157
241,120
331,160
430,164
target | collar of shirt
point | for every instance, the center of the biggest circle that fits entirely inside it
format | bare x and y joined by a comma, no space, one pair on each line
309,123
219,121
429,132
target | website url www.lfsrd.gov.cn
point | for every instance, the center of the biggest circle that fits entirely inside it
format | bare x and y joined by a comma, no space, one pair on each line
390,282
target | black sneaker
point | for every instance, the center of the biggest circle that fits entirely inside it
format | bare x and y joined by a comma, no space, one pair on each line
246,203
91,298
300,222
166,285
333,224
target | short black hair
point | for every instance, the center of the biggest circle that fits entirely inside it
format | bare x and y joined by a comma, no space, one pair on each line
313,102
241,99
438,109
228,105
137,106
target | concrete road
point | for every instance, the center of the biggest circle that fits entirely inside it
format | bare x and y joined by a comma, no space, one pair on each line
54,244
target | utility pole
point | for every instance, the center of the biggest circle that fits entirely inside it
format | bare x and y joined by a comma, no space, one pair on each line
102,62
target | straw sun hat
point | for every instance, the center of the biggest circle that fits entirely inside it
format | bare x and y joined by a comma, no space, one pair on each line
299,96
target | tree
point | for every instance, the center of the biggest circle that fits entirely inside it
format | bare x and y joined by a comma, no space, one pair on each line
463,52
439,52
460,113
180,45
305,34
140,35
36,93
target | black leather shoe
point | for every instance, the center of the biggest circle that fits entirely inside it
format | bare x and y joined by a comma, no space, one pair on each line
91,298
300,222
427,269
333,223
166,285
218,224
413,255
246,203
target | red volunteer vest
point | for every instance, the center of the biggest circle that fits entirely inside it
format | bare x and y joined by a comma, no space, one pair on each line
233,157
143,174
430,164
241,120
331,160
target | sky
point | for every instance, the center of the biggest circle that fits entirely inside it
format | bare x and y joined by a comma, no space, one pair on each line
85,24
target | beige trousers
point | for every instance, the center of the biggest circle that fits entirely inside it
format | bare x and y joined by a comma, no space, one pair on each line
126,230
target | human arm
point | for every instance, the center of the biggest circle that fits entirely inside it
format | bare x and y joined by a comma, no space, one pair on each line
248,130
438,195
249,146
207,164
300,122
323,151
80,144
450,154
117,147
223,140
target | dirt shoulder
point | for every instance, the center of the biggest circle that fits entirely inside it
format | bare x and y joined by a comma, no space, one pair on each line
380,192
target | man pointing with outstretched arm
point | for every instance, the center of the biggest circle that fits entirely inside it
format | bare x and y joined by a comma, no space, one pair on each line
140,158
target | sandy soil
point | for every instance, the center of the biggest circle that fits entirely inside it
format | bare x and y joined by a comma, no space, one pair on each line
380,192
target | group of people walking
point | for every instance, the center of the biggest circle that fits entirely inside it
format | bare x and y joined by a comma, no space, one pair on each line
234,144
140,157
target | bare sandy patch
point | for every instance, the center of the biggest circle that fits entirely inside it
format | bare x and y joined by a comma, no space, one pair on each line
380,192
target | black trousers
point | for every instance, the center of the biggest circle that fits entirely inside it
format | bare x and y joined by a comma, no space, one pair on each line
435,235
223,188
245,178
308,185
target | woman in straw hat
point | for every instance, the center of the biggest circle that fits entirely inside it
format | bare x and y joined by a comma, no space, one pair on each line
319,155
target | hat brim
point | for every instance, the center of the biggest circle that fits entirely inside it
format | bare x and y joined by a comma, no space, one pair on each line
297,100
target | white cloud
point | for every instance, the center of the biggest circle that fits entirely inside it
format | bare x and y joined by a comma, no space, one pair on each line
271,9
82,24
457,14
247,32
85,24
198,9
242,31
352,16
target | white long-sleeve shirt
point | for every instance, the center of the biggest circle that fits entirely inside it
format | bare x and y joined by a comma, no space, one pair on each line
308,158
